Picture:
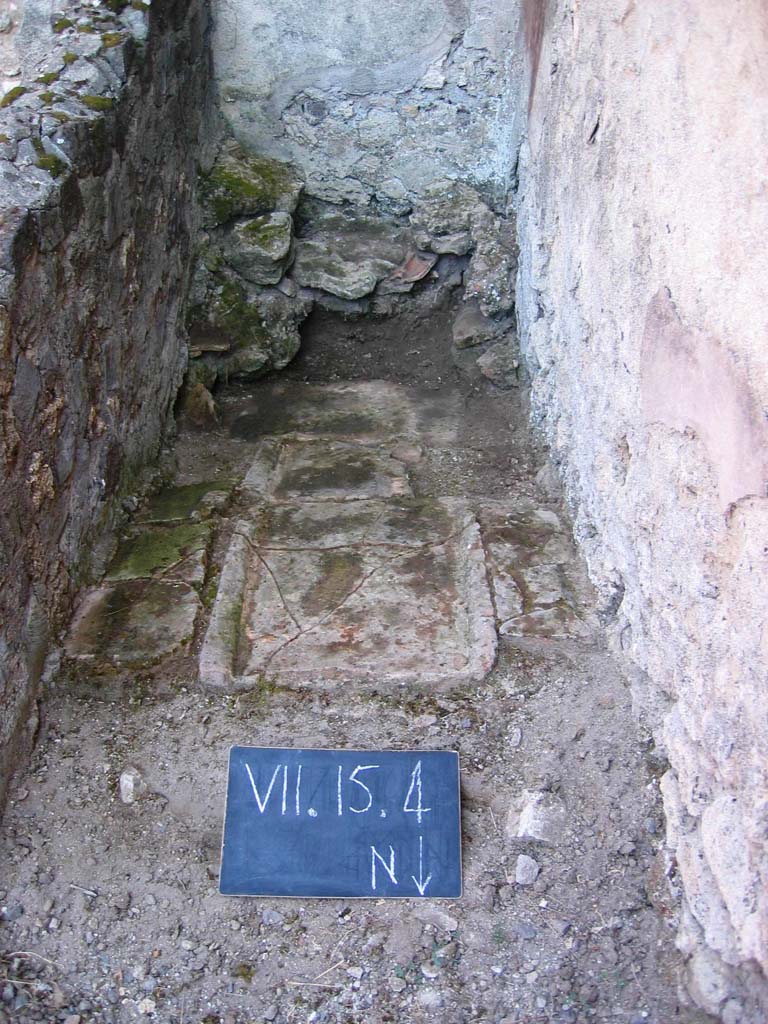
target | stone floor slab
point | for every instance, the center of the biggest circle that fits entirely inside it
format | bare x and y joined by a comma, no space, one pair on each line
403,599
290,470
176,553
539,586
365,411
132,624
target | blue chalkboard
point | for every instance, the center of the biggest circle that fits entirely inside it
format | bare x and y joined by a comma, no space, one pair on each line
344,823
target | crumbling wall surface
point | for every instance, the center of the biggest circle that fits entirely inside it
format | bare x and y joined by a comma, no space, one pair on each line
98,141
642,298
373,100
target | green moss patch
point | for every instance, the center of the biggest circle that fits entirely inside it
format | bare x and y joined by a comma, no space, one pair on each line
111,39
173,504
229,314
154,552
264,234
69,58
98,103
11,96
52,164
241,184
49,77
62,24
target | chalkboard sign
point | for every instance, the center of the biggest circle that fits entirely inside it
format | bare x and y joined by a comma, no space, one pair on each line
343,823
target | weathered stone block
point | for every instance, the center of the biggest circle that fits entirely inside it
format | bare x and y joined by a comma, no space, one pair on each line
260,249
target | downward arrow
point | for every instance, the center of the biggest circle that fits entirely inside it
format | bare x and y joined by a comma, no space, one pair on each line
422,882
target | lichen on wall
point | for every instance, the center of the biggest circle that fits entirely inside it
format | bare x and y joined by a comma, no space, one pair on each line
641,298
98,160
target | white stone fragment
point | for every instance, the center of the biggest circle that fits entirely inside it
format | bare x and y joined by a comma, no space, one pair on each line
131,786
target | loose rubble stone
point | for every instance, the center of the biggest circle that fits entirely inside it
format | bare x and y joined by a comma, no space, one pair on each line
500,364
443,218
256,328
260,249
526,870
316,267
472,327
536,815
491,275
243,184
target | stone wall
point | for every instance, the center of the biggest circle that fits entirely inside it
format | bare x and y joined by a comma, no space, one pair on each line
642,293
373,100
98,146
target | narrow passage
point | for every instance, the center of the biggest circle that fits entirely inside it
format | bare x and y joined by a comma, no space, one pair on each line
367,564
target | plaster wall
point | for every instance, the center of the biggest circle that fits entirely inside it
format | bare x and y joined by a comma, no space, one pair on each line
373,101
642,298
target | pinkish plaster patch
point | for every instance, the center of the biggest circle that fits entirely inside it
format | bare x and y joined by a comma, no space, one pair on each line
688,380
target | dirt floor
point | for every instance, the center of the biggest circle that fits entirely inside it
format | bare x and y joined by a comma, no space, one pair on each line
110,846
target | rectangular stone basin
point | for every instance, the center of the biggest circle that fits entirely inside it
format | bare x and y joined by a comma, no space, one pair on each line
376,593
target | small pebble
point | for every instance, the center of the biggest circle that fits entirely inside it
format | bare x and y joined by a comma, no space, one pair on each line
397,984
271,917
131,785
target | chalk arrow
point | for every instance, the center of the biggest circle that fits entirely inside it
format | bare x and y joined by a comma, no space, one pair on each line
422,882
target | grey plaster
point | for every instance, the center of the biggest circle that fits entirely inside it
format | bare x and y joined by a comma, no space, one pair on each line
373,101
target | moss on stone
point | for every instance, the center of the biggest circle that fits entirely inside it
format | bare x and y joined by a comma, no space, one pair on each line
111,39
241,184
177,503
264,234
49,77
156,550
52,164
241,319
88,29
212,258
49,97
4,137
69,58
62,24
98,103
11,96
60,116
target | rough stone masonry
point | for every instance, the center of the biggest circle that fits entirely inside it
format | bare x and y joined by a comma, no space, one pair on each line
100,127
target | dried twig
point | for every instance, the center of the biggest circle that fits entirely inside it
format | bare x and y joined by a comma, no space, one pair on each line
328,970
314,984
88,892
24,952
